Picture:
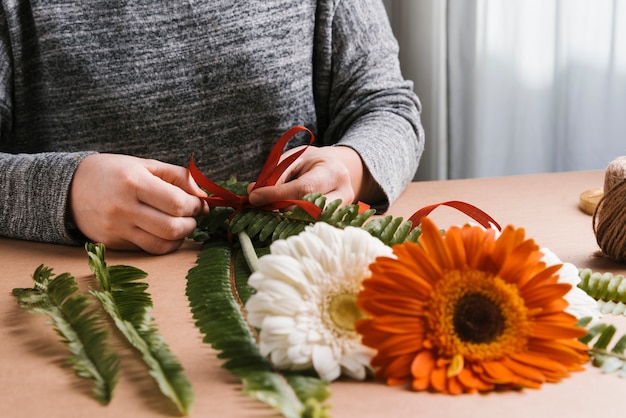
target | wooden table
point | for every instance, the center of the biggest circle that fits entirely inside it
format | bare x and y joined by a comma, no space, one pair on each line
34,382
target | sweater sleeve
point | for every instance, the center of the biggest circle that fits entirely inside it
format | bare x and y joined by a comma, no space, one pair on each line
371,107
34,196
33,187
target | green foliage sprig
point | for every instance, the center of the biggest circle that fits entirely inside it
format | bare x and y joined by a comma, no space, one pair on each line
266,227
217,291
129,305
78,324
610,292
608,289
605,286
608,360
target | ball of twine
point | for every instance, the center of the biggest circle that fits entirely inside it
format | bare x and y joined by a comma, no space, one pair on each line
609,218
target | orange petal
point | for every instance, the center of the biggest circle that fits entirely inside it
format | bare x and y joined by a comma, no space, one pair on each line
555,306
540,296
423,363
498,372
456,247
396,382
373,339
521,264
438,379
525,372
570,352
546,276
398,344
470,381
479,245
400,367
420,383
541,362
455,387
377,304
417,260
398,324
397,279
562,318
552,331
434,245
509,238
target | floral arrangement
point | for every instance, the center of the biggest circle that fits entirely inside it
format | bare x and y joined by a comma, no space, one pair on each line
299,293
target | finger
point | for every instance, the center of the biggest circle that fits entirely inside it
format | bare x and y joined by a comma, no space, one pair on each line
142,227
142,240
295,189
169,198
295,169
176,175
164,226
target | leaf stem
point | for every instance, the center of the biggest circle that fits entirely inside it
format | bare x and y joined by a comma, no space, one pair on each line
602,352
249,252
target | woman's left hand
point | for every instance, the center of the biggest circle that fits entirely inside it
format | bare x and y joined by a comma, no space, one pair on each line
335,171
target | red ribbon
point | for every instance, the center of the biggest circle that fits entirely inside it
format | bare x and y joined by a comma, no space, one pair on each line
270,173
470,210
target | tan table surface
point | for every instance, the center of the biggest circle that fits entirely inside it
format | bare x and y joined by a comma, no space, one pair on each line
34,382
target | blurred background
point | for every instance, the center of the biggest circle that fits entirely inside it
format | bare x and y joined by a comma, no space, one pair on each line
515,86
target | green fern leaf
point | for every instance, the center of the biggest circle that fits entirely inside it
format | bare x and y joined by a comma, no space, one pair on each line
215,223
606,287
609,307
129,305
609,361
268,226
82,332
217,290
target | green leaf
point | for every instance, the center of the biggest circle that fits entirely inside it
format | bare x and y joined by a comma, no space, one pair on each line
217,290
268,226
609,361
82,332
129,305
603,286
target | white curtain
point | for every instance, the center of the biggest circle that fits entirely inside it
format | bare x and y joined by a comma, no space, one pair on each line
530,86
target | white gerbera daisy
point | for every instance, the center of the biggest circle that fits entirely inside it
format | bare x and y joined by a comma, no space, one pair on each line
304,304
580,303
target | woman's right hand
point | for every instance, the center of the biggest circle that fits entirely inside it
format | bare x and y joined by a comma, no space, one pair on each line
128,203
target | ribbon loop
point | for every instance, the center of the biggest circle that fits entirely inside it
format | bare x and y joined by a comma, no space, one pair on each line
269,175
470,210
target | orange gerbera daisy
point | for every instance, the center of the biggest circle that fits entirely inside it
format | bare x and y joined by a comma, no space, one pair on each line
469,312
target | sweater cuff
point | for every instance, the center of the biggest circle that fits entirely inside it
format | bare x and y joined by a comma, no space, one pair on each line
36,189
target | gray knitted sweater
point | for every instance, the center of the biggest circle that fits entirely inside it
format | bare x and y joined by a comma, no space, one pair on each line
221,79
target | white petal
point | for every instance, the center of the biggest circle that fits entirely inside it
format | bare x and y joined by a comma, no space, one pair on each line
297,339
263,304
580,303
278,290
325,363
301,355
279,267
353,368
278,324
280,359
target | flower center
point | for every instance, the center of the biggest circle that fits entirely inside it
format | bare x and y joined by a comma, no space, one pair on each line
477,319
343,311
477,315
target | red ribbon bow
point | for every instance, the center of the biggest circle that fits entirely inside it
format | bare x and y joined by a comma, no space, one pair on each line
270,173
470,210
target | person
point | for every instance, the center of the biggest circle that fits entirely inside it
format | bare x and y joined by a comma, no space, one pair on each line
102,104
